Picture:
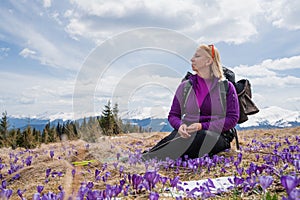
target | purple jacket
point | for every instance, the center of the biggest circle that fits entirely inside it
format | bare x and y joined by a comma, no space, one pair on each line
211,114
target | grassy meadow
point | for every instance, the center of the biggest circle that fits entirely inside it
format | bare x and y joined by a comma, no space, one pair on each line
267,167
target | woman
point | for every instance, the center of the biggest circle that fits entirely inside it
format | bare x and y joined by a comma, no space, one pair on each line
199,119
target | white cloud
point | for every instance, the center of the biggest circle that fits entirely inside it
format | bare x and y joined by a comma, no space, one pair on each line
27,53
27,100
283,13
206,21
33,94
270,85
61,35
283,63
56,16
266,73
4,52
50,46
276,81
252,71
47,3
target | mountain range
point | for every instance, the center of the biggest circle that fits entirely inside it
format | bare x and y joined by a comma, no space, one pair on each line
270,117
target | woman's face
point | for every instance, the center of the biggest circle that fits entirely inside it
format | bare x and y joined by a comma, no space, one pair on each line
200,60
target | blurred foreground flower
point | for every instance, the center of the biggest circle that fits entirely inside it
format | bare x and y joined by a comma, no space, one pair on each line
265,182
289,183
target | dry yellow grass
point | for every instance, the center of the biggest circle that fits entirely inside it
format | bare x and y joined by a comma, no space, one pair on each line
104,151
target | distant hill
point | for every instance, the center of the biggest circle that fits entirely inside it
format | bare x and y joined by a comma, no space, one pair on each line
271,117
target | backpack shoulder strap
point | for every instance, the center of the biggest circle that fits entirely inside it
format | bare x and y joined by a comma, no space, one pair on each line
223,92
186,92
224,87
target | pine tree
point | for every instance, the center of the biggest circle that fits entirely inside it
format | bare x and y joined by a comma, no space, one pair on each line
27,140
117,120
37,136
53,135
45,135
59,130
106,120
12,138
3,129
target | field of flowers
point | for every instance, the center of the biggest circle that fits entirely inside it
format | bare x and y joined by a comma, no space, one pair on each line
267,167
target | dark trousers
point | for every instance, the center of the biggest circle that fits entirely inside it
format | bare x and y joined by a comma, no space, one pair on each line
200,143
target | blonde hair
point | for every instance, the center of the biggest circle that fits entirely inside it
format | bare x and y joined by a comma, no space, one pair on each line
216,66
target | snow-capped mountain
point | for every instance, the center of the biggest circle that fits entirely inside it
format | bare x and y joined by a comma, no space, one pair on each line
145,112
156,119
38,121
273,117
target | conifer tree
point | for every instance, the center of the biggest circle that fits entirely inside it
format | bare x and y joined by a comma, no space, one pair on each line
12,138
106,120
37,136
3,129
52,135
117,120
27,140
45,135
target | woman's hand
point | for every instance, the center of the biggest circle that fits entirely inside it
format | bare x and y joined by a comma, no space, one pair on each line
183,131
194,127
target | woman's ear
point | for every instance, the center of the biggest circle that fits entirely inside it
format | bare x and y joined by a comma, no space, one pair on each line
209,61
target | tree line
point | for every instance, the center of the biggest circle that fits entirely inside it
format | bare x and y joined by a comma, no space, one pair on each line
89,129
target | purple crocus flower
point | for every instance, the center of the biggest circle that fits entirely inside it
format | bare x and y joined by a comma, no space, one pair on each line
265,181
48,172
51,153
60,174
174,181
122,182
20,193
39,188
297,165
53,174
73,172
115,164
90,185
163,180
28,160
136,180
104,167
295,194
289,183
16,177
210,183
152,178
97,172
251,181
257,157
238,181
240,170
7,193
121,169
36,196
153,196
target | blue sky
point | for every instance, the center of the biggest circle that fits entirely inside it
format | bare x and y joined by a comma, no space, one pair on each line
44,45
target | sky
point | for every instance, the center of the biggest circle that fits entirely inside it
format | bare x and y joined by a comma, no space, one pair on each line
74,56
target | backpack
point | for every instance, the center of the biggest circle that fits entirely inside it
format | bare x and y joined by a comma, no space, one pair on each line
244,92
243,89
